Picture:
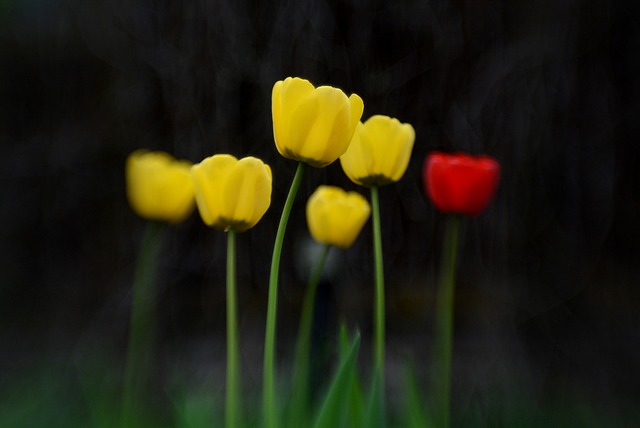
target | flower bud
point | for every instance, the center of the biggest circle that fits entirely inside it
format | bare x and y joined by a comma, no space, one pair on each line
159,187
232,193
336,217
461,183
379,152
313,125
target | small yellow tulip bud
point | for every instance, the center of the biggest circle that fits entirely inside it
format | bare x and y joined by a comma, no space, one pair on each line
313,125
379,151
336,217
231,193
159,187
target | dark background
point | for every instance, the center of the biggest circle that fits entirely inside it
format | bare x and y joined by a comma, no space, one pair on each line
547,303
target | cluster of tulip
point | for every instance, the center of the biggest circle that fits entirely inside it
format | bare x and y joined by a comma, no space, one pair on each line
314,126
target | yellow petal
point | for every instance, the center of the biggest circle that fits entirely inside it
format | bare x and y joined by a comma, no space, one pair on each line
403,142
247,193
209,178
178,194
357,108
276,115
341,130
286,97
357,161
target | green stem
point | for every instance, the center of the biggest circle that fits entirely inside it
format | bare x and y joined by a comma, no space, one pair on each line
378,351
300,390
269,389
444,320
232,414
141,326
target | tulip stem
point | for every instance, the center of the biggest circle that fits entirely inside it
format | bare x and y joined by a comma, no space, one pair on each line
444,320
378,351
270,408
139,350
232,413
300,390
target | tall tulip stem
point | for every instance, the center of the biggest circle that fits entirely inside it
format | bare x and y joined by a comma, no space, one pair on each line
270,406
232,404
444,320
141,325
300,390
378,344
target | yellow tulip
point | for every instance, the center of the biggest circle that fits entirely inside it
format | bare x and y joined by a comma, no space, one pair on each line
336,217
379,151
231,193
159,187
313,125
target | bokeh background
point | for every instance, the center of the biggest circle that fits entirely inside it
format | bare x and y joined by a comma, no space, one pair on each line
548,285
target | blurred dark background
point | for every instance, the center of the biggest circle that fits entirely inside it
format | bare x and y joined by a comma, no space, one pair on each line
548,285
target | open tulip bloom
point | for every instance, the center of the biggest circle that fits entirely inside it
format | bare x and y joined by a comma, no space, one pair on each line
457,184
232,195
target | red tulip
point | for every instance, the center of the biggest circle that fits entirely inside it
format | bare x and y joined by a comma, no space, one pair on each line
461,183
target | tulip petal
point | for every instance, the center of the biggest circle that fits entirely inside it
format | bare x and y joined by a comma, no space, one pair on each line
178,193
336,119
247,193
286,97
357,108
209,177
356,161
402,139
276,115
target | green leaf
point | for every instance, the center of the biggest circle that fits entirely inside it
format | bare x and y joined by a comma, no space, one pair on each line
356,402
334,410
196,410
415,407
375,415
356,396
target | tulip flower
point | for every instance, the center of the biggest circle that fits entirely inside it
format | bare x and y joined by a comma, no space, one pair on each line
336,217
460,183
159,187
379,151
231,193
378,154
313,125
457,184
